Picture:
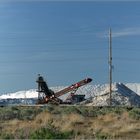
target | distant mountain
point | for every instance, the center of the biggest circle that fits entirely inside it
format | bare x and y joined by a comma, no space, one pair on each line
32,93
123,94
20,94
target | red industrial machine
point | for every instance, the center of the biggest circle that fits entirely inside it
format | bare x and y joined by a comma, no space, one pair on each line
46,95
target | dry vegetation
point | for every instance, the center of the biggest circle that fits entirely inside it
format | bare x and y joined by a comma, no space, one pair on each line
77,122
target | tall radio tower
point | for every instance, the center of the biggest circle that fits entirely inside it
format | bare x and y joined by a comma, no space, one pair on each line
110,67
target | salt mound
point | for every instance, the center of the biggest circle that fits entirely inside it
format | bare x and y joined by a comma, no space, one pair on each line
121,95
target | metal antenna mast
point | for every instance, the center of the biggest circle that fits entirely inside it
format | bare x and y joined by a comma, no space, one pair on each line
110,66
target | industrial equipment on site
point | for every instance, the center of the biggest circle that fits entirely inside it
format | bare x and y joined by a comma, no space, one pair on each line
46,95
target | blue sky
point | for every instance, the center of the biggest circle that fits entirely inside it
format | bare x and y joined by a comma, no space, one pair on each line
66,41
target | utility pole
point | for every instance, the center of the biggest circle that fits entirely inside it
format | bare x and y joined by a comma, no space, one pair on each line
110,67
